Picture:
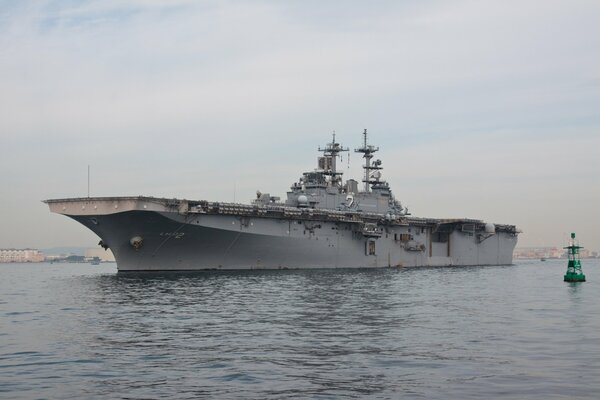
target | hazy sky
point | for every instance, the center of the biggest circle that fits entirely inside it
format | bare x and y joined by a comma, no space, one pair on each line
482,109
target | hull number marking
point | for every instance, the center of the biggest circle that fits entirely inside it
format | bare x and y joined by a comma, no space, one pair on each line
175,235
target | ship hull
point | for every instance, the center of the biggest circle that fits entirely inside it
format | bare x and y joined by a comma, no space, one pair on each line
159,239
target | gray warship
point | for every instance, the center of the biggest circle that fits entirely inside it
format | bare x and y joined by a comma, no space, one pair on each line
323,223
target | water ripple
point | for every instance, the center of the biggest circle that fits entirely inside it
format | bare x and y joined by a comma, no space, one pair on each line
72,331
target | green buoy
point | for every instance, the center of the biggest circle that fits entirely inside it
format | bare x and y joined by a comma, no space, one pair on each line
574,273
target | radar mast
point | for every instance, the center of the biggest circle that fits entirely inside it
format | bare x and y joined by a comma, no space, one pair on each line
368,151
327,163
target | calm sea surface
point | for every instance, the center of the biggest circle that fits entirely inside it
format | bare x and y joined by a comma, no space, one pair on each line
82,331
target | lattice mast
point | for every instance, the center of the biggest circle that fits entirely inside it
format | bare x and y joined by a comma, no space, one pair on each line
368,151
328,163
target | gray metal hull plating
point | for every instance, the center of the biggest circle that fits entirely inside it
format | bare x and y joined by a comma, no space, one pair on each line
172,241
324,223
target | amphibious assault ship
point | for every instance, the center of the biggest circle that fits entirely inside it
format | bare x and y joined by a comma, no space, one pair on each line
323,223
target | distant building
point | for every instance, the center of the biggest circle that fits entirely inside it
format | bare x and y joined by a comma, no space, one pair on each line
548,252
74,259
103,255
585,253
20,255
539,252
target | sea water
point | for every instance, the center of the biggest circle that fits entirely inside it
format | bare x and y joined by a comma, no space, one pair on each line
80,331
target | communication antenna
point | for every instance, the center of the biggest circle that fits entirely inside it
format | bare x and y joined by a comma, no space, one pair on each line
88,181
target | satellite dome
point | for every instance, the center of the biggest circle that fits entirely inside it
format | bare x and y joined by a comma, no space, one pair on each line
490,228
302,201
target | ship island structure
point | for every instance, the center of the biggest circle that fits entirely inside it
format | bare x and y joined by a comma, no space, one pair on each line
323,223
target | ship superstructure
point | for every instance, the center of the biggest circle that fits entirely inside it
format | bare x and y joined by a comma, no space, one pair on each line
323,188
323,223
